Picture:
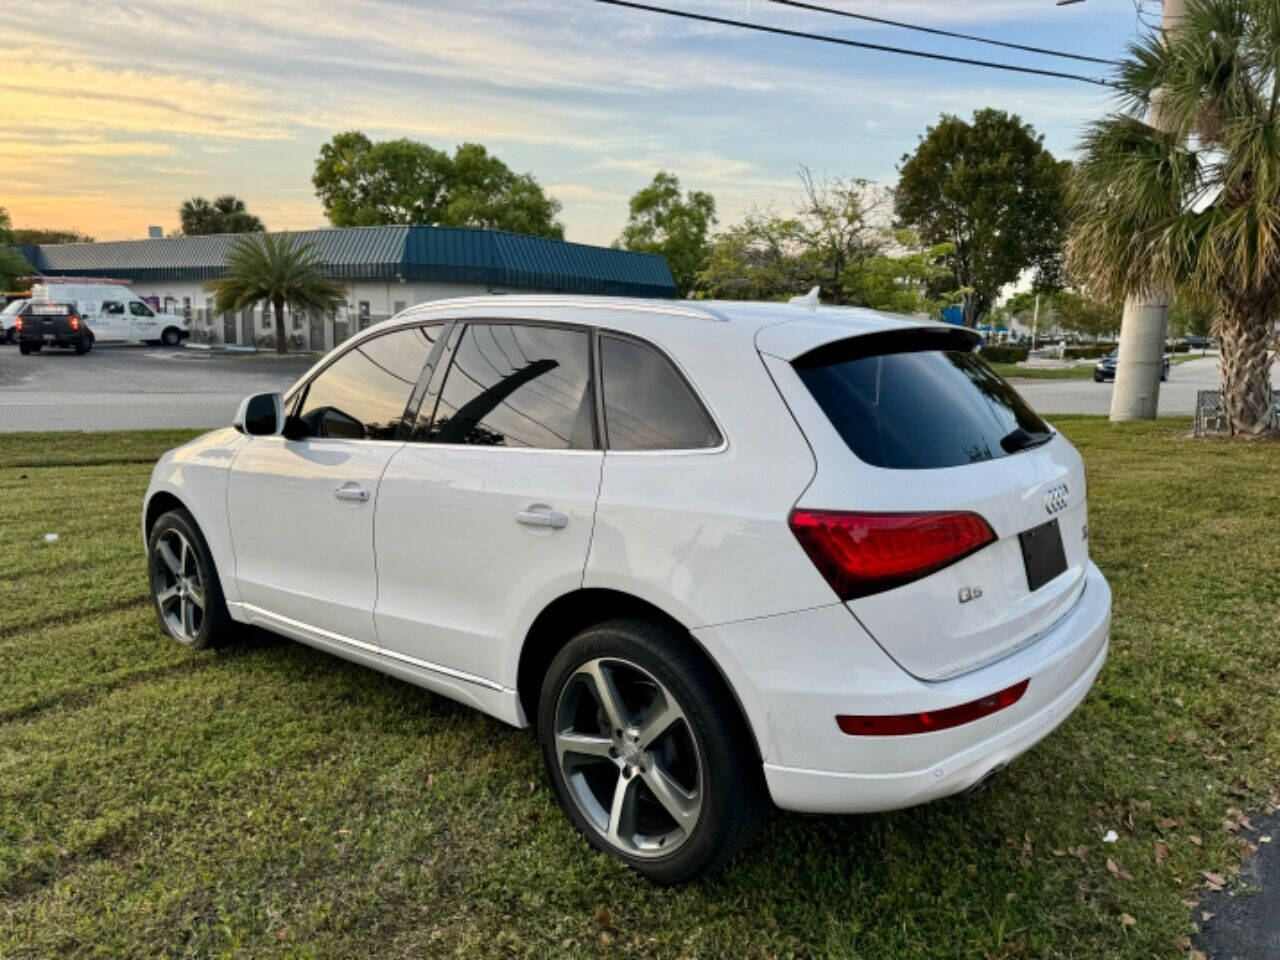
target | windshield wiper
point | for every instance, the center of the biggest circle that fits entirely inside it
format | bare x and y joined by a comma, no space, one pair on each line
1020,439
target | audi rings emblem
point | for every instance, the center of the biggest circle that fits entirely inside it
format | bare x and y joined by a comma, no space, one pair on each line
1056,499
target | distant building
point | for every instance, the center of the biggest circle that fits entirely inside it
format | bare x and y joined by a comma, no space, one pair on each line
384,269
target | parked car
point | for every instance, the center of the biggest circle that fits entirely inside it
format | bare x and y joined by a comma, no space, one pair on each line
716,554
1105,369
1195,342
115,313
8,316
42,324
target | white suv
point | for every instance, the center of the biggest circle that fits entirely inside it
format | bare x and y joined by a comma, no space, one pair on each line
714,553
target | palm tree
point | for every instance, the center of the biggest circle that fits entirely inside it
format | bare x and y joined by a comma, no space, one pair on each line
277,269
1196,209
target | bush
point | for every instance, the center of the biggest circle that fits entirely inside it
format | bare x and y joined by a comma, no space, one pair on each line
1004,353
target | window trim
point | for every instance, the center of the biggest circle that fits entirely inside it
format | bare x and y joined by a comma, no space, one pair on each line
297,394
460,327
697,394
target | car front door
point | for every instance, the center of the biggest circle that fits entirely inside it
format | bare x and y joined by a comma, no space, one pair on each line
301,510
485,515
143,323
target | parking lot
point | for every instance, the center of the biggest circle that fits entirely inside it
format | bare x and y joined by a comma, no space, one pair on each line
119,388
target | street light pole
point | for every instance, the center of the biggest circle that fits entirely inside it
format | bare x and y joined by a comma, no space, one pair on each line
1140,357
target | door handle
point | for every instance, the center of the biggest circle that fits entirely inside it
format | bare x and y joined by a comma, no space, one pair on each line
543,517
351,491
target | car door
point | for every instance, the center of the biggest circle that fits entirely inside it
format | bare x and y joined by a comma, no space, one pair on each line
111,322
485,515
301,510
143,323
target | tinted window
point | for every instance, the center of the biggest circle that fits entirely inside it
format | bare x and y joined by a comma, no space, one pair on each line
362,394
140,309
647,404
923,409
517,386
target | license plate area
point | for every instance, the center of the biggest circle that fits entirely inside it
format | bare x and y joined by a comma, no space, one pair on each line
1042,554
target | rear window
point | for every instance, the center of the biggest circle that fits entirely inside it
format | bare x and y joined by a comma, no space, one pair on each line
909,407
50,310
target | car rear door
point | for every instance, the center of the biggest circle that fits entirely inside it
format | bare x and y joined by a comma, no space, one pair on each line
485,515
110,323
301,511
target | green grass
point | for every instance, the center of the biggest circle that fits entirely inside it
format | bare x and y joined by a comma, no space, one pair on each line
271,801
1083,371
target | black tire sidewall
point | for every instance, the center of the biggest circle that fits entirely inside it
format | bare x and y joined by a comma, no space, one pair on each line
214,625
731,794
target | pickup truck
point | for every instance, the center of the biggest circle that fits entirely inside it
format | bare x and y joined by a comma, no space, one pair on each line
42,324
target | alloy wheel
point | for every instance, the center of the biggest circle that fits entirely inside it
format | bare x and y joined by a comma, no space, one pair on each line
178,586
629,757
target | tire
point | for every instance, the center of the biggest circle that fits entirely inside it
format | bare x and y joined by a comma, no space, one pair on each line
704,762
171,337
172,578
26,349
83,345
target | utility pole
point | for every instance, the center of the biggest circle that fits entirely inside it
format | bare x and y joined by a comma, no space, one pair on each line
1140,357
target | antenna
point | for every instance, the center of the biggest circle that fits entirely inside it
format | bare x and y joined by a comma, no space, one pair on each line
809,300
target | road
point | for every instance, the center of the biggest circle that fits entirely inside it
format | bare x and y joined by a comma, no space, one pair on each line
122,388
125,388
1177,395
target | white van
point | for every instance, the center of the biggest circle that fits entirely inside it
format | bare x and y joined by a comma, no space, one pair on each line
113,312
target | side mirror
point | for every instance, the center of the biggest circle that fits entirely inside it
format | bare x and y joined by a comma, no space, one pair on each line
260,415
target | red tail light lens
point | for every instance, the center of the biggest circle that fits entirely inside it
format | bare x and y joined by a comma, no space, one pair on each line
17,324
864,553
75,323
903,724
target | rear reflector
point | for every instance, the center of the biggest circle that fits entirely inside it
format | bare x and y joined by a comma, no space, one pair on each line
903,724
864,553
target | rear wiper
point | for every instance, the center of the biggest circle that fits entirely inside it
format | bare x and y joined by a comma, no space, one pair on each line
1021,439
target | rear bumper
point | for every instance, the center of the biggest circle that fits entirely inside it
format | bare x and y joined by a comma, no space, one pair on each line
796,683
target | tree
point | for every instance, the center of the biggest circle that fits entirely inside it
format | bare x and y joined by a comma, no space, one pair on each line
227,214
1195,206
361,182
13,265
663,221
38,235
274,268
834,229
990,190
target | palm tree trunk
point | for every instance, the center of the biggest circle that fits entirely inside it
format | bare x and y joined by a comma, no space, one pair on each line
1140,358
282,341
1246,369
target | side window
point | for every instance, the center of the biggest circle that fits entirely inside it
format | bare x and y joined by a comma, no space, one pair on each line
362,394
140,309
647,403
113,307
518,386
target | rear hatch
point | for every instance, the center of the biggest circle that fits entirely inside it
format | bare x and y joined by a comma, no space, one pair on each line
910,421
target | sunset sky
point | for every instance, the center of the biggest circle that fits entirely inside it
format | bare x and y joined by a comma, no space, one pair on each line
113,113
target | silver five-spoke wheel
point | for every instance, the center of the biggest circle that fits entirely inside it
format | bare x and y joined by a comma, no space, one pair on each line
629,758
178,586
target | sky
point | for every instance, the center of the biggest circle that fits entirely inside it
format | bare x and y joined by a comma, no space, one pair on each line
112,113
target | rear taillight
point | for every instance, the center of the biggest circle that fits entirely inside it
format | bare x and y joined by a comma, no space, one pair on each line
903,724
865,553
17,324
75,323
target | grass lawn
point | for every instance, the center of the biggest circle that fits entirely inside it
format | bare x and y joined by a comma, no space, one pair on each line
272,801
1081,371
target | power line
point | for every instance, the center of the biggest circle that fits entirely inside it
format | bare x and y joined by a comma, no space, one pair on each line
941,33
882,48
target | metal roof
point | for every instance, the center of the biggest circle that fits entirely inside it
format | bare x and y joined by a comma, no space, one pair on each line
388,253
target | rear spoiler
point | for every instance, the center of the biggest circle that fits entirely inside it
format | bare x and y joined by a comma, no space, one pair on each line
901,340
